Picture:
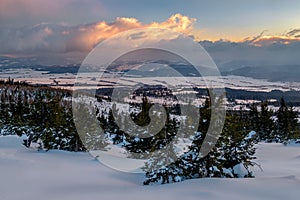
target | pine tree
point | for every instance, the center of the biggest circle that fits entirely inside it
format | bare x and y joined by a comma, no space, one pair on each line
254,116
287,126
236,146
261,122
88,127
160,167
266,128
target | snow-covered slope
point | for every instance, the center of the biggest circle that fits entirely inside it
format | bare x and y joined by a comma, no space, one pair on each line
28,175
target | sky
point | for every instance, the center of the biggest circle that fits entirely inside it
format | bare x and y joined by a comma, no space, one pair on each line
62,26
228,19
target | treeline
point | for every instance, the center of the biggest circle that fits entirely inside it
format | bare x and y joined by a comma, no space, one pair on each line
280,125
45,115
42,113
233,154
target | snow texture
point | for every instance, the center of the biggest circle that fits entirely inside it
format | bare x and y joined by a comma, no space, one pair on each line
27,174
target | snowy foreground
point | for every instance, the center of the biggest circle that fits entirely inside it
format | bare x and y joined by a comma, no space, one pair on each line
29,175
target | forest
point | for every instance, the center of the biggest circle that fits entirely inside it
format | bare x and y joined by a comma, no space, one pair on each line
45,116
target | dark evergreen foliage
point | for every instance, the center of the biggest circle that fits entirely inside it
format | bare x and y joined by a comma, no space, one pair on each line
45,116
234,150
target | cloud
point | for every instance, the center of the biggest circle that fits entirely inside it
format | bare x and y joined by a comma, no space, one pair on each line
179,23
62,39
47,38
274,39
19,12
256,51
137,36
294,32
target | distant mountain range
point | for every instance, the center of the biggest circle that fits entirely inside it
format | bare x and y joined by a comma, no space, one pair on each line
284,73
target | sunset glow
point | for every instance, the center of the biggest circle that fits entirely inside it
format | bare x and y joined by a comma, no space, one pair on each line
36,27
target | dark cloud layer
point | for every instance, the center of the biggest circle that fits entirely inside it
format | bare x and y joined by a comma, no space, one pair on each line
258,51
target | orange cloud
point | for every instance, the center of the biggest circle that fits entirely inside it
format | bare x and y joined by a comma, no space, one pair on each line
274,39
177,22
83,38
267,40
60,38
103,30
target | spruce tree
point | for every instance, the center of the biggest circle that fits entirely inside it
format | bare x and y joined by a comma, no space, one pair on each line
287,127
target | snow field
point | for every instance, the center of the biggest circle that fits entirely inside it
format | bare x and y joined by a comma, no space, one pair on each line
26,174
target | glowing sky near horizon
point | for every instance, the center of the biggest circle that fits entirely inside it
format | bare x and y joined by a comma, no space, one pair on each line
228,19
